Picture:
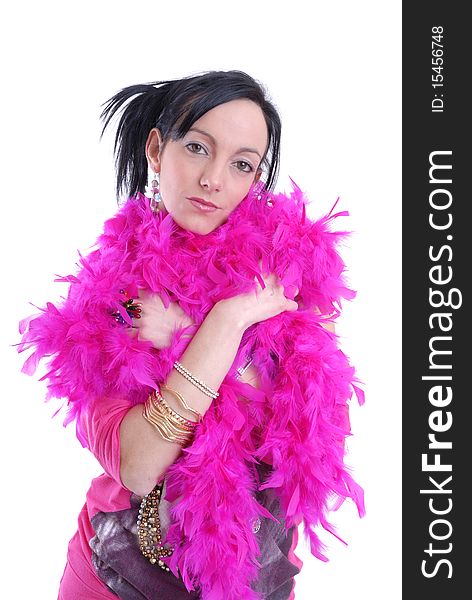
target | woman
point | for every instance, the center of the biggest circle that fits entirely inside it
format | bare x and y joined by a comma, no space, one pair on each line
215,402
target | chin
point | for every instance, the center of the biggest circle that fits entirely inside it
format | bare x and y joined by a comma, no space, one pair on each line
200,227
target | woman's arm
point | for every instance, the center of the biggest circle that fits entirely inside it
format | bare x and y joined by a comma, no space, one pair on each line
145,455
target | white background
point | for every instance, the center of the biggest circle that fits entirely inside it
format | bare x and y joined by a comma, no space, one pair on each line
333,70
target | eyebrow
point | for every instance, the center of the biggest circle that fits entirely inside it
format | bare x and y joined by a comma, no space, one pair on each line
208,135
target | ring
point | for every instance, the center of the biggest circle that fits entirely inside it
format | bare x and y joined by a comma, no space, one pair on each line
132,308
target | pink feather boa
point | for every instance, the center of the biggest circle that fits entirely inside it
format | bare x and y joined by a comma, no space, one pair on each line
306,380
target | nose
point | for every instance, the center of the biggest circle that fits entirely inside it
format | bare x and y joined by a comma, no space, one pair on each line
212,178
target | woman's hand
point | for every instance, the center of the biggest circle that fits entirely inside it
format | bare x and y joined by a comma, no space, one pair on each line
157,323
258,305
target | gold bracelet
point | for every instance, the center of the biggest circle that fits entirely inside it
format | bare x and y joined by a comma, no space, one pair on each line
182,401
171,426
159,413
164,429
159,401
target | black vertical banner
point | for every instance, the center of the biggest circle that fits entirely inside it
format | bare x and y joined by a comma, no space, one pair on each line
437,352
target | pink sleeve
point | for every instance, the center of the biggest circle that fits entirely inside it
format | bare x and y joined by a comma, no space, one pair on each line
101,426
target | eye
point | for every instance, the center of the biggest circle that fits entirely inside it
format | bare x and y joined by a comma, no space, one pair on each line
244,166
195,148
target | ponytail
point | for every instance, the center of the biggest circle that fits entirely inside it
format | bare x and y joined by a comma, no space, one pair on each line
137,119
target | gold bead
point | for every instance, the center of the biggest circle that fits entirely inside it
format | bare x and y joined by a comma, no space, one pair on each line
149,532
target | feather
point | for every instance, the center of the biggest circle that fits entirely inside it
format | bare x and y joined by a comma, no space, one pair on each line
306,380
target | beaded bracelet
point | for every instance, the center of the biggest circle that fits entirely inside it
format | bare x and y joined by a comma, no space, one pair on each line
149,529
196,382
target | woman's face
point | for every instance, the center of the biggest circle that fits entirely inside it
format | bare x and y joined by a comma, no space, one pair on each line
216,161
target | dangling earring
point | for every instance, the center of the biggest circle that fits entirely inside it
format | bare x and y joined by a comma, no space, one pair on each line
259,190
152,192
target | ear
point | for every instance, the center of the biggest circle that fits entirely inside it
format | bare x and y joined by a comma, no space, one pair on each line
258,175
154,145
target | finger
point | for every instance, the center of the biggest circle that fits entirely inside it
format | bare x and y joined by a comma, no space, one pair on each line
260,280
291,292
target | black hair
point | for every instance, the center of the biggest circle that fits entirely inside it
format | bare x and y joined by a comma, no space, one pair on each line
173,107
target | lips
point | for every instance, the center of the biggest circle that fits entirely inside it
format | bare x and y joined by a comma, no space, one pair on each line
202,201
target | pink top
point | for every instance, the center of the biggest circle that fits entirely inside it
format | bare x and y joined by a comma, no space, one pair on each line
106,494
